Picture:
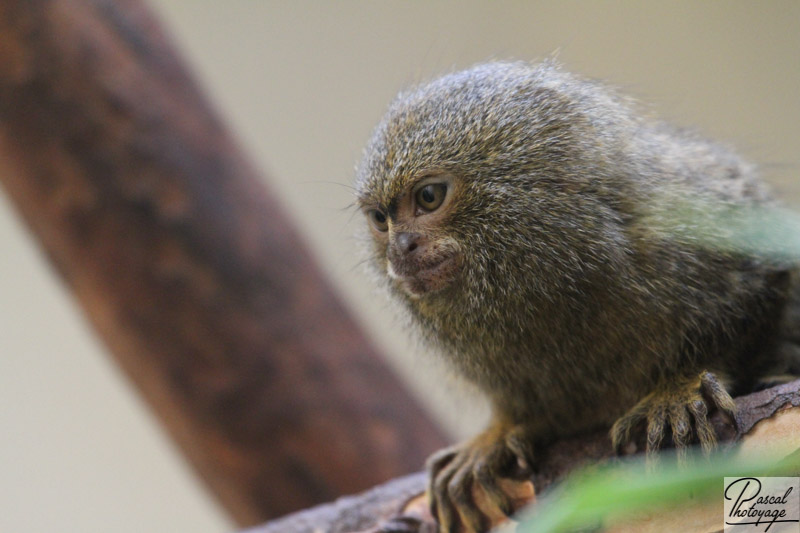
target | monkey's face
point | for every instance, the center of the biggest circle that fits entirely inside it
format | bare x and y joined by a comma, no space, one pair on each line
409,232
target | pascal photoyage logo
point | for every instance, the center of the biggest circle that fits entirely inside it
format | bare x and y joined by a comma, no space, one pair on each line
761,504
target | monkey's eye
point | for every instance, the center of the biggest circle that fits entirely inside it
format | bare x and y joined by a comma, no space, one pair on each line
431,196
378,220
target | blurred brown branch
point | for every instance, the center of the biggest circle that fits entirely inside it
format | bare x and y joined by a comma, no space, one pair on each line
187,266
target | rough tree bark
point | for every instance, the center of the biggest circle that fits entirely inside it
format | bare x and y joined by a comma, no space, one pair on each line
187,267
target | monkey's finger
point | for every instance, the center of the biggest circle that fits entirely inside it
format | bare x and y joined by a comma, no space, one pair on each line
681,431
434,465
440,459
486,471
623,428
718,396
441,505
705,432
655,430
520,445
460,491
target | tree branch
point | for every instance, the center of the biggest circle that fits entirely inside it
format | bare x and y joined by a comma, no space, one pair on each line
187,266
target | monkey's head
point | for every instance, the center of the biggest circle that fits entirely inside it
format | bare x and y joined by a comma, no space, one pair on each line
472,185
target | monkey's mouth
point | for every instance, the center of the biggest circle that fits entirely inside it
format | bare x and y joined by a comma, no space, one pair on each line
419,278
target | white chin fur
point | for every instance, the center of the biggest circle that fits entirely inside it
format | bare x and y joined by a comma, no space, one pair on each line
390,270
403,285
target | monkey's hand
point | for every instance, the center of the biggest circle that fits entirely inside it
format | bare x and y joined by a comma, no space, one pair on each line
677,413
466,490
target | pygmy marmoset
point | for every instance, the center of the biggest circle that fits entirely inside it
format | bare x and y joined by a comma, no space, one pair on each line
571,260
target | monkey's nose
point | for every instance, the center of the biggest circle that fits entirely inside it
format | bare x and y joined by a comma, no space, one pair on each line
407,242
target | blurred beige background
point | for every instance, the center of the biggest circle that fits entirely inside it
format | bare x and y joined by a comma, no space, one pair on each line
301,84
